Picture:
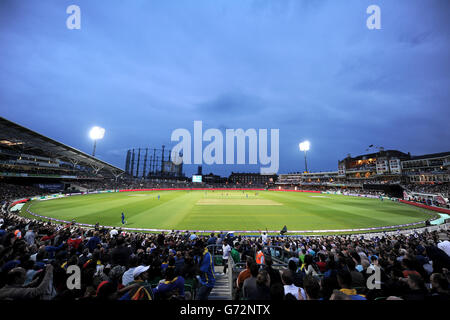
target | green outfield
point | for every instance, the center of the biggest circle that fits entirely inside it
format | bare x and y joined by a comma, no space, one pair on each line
230,210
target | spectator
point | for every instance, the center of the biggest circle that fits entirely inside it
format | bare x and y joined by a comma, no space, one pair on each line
249,288
344,279
289,287
439,287
14,289
312,288
274,275
226,249
171,287
207,277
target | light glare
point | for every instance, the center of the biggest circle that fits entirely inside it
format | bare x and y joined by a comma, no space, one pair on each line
304,146
97,133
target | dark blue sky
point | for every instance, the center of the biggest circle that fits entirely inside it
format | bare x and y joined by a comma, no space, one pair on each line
310,68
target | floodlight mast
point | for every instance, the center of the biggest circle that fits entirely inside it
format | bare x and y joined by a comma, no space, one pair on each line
304,146
96,133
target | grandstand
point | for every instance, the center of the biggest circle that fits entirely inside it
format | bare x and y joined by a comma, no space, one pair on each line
27,157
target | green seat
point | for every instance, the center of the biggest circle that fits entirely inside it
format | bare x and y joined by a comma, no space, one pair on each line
381,298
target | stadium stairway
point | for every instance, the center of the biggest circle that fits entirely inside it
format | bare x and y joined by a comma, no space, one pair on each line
222,289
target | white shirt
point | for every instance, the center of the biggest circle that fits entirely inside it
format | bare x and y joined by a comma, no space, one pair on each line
264,238
128,277
226,251
444,246
113,233
294,291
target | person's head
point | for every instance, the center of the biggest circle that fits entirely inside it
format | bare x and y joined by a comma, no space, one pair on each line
16,276
249,262
374,260
312,287
254,269
287,277
263,279
169,274
116,273
199,247
292,266
141,273
356,257
407,264
439,282
350,264
344,279
277,292
308,259
133,261
415,282
120,241
365,263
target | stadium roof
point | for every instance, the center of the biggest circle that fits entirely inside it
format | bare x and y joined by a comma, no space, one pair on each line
381,153
21,138
431,156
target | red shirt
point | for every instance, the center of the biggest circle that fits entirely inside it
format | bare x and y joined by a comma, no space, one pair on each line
321,266
74,242
406,273
45,238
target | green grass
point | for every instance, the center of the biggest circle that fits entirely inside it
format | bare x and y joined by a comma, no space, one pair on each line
179,210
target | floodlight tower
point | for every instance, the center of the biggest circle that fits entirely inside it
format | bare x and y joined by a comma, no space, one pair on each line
96,133
304,146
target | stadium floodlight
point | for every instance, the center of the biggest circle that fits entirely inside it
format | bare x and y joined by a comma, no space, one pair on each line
304,146
96,133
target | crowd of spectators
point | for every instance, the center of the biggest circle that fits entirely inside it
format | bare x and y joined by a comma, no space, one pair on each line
436,188
9,192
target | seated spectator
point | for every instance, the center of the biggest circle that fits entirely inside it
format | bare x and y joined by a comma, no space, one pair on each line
439,287
287,278
244,274
171,287
15,290
417,291
312,288
139,289
274,274
277,292
249,288
358,279
310,267
344,279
